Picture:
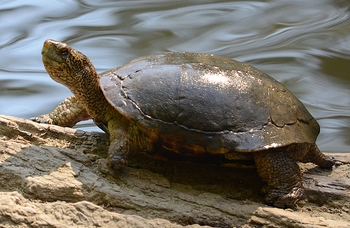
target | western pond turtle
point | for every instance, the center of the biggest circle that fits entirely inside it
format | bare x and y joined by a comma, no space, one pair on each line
191,103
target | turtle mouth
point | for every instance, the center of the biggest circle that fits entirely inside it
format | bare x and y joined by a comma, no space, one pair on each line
50,52
47,58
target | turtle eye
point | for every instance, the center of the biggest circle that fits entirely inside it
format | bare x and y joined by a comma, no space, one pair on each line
64,53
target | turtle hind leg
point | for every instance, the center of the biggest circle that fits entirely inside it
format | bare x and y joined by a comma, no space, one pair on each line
283,177
315,156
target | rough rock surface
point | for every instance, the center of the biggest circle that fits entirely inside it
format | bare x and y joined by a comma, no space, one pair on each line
56,177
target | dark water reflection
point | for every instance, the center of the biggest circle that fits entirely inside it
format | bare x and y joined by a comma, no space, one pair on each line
304,44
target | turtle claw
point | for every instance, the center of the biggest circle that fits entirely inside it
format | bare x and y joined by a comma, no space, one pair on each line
118,163
42,119
281,200
328,163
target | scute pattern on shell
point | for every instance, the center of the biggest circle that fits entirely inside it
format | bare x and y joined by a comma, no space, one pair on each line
187,100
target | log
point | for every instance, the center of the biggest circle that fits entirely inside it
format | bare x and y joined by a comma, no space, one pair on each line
52,176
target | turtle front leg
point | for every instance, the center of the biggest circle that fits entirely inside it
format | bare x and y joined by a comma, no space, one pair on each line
66,114
125,139
119,147
283,177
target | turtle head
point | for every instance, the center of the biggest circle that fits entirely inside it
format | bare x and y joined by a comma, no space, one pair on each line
67,66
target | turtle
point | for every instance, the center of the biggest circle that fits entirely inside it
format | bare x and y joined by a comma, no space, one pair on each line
194,104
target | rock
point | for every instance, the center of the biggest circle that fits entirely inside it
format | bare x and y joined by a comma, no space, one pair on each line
55,177
16,210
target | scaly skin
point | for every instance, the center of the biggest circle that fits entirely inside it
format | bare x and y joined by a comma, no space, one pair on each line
277,166
66,114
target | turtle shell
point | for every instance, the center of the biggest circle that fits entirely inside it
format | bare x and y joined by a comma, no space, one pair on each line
206,103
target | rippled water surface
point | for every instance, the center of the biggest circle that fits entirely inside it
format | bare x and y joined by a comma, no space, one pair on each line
303,44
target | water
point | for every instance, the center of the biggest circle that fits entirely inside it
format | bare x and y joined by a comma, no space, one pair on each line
303,44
